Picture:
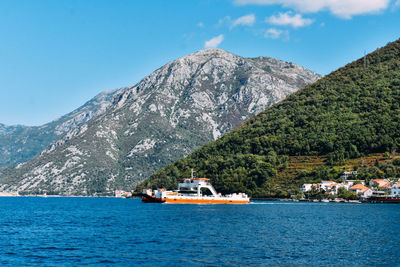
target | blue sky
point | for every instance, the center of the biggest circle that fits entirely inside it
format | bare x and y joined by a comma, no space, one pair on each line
56,55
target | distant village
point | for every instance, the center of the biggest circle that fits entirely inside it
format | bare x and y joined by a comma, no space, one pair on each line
376,188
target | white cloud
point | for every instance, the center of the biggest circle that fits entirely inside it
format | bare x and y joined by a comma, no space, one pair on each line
397,3
200,24
214,42
285,19
273,33
247,20
341,8
226,21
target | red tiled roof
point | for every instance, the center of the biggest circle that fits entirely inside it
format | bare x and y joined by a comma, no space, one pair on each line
381,183
359,186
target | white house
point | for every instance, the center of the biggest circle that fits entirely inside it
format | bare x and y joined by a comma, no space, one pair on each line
347,174
308,187
380,183
367,193
335,187
351,182
395,191
326,185
361,190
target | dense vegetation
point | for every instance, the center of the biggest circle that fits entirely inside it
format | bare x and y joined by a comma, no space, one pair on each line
351,113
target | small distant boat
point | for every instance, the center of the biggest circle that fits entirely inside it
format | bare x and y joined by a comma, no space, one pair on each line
325,200
337,200
189,192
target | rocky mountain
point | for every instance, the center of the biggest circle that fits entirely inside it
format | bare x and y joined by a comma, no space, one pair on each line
21,143
179,107
348,120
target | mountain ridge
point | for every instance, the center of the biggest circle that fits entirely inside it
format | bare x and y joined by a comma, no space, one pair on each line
19,143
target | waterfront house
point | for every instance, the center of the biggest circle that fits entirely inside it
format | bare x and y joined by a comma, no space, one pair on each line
361,190
380,183
329,187
308,187
332,189
395,191
367,193
335,187
325,185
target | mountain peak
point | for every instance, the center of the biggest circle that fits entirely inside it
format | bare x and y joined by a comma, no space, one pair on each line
207,54
211,51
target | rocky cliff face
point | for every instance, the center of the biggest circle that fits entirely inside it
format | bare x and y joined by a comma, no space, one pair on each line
21,143
171,112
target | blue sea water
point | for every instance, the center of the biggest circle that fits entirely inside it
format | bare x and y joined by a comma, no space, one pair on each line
109,231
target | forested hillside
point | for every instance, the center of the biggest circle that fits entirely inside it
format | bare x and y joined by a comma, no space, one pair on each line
349,114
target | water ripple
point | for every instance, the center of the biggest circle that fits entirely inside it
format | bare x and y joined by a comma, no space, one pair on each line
104,232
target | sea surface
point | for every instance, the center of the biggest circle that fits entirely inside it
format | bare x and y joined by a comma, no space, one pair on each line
109,231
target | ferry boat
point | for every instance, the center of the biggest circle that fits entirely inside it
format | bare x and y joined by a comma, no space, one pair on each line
189,192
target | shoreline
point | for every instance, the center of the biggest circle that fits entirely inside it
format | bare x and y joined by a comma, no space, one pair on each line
7,194
308,200
53,196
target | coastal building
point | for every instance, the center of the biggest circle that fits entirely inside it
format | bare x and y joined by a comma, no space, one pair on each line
122,193
329,187
395,191
361,190
346,175
351,182
378,193
334,188
380,183
308,187
326,185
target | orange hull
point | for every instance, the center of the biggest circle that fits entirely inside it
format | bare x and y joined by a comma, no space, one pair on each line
205,201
